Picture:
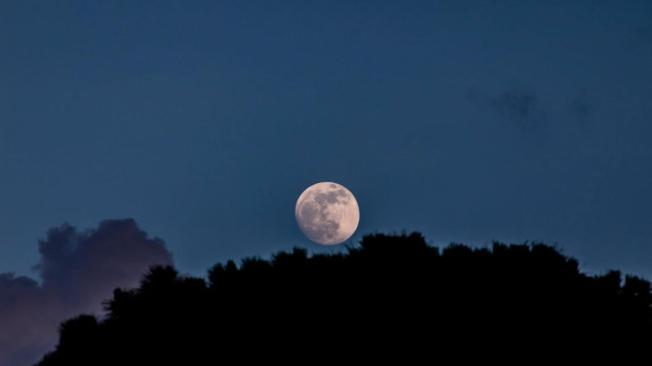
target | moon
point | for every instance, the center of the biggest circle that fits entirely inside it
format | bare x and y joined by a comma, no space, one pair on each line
327,213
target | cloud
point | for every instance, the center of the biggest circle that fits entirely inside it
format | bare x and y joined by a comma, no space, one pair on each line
518,106
78,270
582,109
524,110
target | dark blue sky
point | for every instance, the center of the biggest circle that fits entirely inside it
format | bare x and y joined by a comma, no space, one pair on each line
204,120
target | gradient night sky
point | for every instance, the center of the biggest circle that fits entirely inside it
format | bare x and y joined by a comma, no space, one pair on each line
204,121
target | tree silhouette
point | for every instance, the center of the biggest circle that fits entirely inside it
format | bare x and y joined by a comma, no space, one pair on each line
391,294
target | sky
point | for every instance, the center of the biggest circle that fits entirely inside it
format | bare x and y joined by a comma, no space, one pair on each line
204,121
160,132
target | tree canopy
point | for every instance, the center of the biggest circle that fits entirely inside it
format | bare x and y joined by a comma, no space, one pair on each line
390,293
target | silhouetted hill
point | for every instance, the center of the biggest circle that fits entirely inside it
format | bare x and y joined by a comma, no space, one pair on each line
389,295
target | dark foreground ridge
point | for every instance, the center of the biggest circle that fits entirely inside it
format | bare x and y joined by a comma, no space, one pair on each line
389,294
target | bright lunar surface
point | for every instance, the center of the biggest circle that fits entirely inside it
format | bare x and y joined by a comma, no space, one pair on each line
327,213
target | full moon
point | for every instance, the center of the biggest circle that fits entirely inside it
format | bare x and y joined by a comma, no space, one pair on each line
327,213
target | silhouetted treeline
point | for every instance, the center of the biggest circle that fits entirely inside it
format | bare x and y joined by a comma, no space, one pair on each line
388,295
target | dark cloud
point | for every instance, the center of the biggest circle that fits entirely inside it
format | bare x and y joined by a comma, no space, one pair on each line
582,110
523,109
78,270
518,106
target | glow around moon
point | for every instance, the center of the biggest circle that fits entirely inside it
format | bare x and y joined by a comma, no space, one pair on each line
327,213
